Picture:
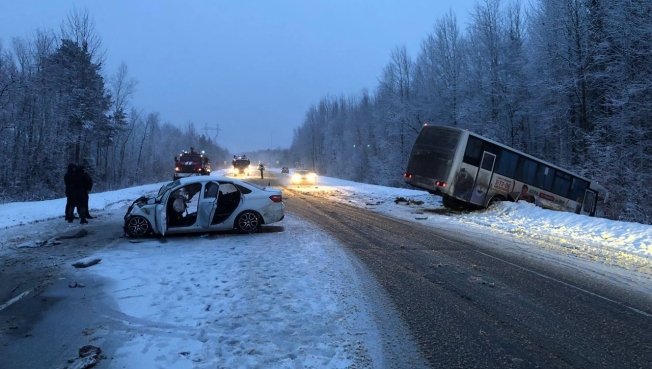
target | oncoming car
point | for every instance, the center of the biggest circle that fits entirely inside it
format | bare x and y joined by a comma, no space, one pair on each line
285,170
301,176
204,204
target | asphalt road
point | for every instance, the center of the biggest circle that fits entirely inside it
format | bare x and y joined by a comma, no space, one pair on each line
471,303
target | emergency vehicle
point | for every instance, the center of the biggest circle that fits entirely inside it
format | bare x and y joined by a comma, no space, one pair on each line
241,164
191,163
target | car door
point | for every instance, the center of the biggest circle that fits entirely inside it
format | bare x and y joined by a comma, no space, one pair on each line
229,199
161,213
208,203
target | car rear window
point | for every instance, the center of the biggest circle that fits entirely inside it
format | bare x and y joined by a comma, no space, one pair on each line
244,189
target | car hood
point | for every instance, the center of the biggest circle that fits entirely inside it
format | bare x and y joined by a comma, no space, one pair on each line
142,201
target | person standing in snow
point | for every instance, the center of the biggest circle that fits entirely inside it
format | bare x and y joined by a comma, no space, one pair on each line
89,183
78,193
67,178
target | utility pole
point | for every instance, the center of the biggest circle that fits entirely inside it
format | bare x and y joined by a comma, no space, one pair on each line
217,130
270,147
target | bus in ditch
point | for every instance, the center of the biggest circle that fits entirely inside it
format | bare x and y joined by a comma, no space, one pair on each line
469,170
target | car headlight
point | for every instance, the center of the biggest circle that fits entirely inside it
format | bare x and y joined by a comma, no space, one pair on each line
176,169
312,177
296,177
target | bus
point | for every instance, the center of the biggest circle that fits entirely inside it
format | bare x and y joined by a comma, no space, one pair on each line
470,171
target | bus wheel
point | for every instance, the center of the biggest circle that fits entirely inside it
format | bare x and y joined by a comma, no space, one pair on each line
494,200
451,202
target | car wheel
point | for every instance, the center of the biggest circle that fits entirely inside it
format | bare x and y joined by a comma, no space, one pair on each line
247,222
138,226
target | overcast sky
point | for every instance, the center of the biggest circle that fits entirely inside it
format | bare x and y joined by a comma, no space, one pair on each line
251,67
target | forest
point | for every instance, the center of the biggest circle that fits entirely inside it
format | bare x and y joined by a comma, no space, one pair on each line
568,81
58,106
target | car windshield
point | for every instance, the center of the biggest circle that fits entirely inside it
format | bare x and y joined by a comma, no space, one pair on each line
166,187
301,171
193,158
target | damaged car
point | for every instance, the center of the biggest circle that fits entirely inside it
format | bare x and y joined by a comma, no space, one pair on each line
204,204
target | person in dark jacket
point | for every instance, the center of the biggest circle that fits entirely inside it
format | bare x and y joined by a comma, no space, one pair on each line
89,183
66,180
78,194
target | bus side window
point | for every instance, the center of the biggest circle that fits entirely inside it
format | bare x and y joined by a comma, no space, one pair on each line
488,146
526,170
561,184
544,177
578,188
473,152
507,162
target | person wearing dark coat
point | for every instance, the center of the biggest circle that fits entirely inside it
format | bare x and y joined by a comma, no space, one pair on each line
89,182
66,180
78,194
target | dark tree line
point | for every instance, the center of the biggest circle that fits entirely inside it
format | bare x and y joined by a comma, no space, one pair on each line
57,107
569,81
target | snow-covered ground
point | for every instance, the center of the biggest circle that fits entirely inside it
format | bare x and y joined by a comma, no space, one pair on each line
292,297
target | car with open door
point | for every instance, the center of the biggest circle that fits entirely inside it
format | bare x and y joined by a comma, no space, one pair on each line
204,204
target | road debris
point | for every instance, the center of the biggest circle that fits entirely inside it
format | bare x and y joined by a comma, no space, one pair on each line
89,355
86,264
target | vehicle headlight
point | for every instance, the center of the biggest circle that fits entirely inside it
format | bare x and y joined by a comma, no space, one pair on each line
296,177
312,177
176,169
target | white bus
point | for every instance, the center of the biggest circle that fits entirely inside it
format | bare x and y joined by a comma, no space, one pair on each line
469,170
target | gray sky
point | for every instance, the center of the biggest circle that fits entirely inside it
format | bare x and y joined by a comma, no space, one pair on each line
253,67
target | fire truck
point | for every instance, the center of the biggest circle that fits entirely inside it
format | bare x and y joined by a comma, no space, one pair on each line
241,164
191,163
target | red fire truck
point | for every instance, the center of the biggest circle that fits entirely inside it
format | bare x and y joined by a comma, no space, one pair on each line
191,163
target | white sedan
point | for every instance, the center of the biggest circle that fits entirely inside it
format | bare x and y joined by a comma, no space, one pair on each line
204,204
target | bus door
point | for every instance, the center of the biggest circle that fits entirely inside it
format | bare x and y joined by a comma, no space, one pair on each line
483,178
589,202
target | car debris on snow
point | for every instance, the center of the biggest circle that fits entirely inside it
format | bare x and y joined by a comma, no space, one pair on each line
89,355
86,264
78,234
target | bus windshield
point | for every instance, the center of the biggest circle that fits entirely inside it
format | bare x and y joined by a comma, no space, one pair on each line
433,152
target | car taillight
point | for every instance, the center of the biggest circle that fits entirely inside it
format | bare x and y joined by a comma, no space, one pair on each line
276,198
439,183
407,175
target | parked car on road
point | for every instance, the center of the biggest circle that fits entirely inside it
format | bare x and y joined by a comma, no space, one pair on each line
204,204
